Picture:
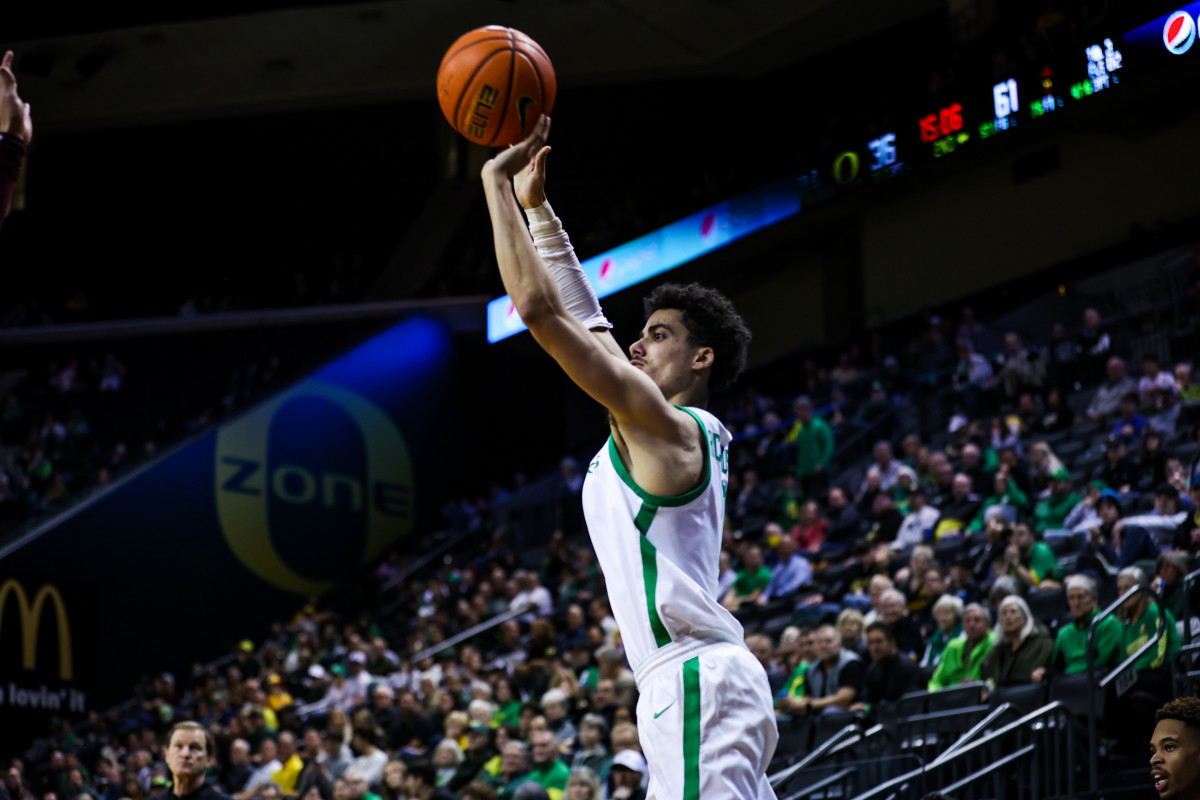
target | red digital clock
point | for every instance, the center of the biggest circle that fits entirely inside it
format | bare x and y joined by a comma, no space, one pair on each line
945,122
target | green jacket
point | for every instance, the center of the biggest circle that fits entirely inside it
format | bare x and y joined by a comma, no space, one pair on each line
814,445
951,670
1013,496
1043,563
1070,648
553,778
748,581
1051,512
1138,632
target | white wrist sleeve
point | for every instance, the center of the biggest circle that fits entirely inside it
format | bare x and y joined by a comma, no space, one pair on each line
555,249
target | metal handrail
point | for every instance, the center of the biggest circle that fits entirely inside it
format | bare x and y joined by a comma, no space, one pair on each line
988,770
1188,580
1094,688
979,727
1046,710
821,784
427,557
815,755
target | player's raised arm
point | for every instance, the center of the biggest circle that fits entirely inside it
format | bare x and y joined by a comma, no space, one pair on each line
593,361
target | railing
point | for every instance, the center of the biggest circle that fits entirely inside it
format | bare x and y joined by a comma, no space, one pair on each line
1189,581
1124,675
845,778
817,754
1021,759
979,727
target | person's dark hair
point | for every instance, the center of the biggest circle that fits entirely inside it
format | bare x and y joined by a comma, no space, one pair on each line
1184,709
1130,397
711,321
424,770
883,628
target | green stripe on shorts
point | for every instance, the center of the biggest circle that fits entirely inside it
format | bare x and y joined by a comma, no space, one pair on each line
691,729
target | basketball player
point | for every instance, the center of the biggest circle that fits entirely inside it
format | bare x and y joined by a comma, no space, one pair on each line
654,496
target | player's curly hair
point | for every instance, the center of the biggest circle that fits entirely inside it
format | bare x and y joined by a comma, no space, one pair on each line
1184,709
711,321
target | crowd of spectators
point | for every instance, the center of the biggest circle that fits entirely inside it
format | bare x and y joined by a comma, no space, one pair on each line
980,554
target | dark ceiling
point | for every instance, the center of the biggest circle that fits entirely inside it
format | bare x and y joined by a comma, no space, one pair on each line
100,65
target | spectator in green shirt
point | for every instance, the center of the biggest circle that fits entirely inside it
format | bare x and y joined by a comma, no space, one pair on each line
814,448
1030,561
752,580
1140,618
549,770
963,657
1070,648
1005,492
1188,392
1051,511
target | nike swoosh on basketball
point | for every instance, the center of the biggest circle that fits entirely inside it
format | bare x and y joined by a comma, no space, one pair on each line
660,713
523,101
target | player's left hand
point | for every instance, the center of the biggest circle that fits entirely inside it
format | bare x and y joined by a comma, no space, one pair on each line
511,161
530,183
15,116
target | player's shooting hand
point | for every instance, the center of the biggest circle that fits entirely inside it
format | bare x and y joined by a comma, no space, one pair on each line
15,117
530,183
511,161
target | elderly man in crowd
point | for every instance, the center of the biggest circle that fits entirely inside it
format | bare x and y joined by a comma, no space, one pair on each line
1107,399
1070,647
835,680
963,657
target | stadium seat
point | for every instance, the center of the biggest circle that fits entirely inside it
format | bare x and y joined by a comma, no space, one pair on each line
968,694
1087,430
1068,450
1075,693
912,703
1048,605
1026,698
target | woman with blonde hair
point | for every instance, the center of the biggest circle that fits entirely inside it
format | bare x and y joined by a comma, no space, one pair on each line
947,612
583,784
1042,464
850,626
395,774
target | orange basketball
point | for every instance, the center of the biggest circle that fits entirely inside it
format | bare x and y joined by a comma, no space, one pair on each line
493,83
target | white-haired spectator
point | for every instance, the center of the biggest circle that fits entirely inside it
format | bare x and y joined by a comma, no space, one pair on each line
947,612
1071,645
558,720
447,757
1021,646
1188,392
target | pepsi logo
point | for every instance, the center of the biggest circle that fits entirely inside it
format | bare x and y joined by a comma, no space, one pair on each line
706,227
606,269
1179,34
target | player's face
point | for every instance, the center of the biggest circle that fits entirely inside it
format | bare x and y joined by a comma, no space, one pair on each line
663,351
1175,760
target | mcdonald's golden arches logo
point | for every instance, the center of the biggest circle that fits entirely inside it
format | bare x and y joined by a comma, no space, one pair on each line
30,619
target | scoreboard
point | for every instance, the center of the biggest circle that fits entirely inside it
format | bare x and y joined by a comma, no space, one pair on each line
964,119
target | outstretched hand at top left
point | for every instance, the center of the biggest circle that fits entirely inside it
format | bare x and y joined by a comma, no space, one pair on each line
511,161
15,116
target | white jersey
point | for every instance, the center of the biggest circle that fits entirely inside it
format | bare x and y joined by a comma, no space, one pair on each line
661,555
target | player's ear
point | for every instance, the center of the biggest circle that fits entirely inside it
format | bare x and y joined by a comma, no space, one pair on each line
704,359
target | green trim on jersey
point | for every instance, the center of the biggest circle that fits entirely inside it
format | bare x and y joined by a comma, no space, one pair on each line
691,729
659,500
650,573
